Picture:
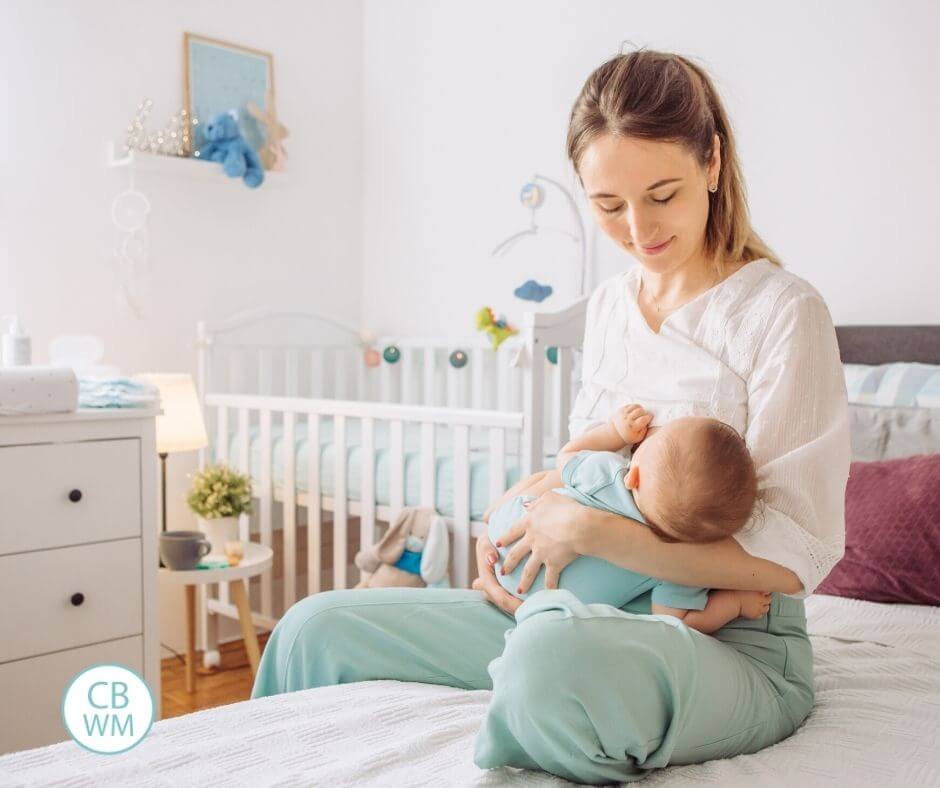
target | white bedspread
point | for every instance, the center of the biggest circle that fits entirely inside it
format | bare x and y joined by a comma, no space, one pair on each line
876,722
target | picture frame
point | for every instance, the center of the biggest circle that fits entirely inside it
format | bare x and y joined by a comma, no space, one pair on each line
219,76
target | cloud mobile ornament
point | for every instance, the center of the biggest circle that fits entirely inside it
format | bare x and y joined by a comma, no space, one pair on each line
530,290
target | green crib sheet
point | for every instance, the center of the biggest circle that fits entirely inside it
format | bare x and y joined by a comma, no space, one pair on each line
444,478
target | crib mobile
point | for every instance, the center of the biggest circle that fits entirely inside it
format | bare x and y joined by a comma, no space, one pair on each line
532,196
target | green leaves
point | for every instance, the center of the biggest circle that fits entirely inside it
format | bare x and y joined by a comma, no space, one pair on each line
219,491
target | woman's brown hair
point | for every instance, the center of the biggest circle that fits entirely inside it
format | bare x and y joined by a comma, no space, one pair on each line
662,96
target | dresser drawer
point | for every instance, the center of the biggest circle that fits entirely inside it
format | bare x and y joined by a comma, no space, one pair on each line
37,614
32,690
39,482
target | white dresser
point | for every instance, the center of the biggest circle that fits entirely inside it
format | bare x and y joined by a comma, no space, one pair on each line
78,560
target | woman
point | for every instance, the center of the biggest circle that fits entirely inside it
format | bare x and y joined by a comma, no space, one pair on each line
707,324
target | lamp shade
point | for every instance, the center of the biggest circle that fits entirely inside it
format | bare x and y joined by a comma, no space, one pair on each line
180,427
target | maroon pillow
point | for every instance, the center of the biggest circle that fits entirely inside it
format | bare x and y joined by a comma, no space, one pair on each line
892,533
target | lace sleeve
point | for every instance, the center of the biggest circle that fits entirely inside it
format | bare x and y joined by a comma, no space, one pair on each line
797,432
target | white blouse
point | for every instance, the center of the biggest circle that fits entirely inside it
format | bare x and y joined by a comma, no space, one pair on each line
757,351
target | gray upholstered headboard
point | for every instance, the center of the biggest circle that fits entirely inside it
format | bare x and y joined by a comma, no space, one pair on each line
885,344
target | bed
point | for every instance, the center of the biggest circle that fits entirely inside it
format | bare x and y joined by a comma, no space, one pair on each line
876,722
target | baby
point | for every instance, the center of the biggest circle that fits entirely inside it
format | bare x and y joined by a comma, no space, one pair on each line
692,480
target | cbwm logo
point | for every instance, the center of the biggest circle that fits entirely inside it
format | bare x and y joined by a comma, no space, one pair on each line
107,708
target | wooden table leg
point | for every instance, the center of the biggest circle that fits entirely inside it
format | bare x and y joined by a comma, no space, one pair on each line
191,638
237,588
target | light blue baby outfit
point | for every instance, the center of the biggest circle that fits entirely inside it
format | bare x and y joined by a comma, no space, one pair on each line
593,478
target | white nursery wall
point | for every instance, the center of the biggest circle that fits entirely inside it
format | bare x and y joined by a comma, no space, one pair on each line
834,105
73,74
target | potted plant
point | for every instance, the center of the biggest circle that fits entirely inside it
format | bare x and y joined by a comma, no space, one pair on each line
218,496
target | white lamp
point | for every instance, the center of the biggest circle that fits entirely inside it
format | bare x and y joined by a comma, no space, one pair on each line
180,427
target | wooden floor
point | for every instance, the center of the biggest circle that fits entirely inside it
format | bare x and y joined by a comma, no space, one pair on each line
228,684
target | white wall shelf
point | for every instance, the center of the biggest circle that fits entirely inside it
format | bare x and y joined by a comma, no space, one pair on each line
184,167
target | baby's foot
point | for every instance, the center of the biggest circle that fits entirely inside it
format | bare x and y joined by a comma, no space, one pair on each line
754,604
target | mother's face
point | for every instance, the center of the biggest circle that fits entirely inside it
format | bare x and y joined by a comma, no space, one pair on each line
646,193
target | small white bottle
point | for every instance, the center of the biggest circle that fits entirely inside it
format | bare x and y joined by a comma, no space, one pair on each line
17,351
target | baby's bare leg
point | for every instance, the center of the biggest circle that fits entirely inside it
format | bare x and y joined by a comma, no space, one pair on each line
725,605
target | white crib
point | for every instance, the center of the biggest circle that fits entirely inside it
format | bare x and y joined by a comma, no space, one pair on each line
284,390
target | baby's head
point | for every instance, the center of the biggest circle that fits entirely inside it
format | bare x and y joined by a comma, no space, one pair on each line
693,480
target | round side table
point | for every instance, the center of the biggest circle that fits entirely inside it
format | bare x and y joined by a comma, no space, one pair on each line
256,560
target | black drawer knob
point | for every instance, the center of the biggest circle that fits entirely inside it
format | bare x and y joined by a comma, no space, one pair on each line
78,598
75,496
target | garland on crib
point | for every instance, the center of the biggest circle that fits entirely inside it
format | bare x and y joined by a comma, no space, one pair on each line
498,330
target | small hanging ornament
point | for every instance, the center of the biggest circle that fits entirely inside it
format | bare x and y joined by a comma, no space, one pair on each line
551,353
530,290
391,354
372,357
498,330
129,212
458,359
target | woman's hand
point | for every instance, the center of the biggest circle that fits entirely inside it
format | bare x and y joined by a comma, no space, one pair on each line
549,532
487,582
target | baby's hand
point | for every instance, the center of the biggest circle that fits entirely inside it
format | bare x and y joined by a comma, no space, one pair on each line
631,423
754,604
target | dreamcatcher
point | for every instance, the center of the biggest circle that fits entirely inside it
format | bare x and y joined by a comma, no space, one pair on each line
131,260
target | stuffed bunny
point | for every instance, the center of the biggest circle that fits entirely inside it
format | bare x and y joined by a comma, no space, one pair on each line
413,552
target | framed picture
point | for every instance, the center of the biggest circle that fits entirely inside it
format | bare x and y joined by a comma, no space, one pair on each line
219,76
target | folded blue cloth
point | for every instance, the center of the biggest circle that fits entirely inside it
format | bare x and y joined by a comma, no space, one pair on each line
116,393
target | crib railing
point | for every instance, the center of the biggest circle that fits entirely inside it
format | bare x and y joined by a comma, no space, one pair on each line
413,371
500,428
456,374
265,370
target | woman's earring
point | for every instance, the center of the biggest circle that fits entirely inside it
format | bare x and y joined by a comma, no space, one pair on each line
713,188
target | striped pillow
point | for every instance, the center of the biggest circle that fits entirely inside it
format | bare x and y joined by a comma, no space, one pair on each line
907,384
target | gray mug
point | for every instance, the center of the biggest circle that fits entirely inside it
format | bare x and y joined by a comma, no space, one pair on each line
183,549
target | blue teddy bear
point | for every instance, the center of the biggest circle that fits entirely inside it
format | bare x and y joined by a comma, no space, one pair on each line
226,144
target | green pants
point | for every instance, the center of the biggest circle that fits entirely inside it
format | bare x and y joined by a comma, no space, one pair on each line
591,693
